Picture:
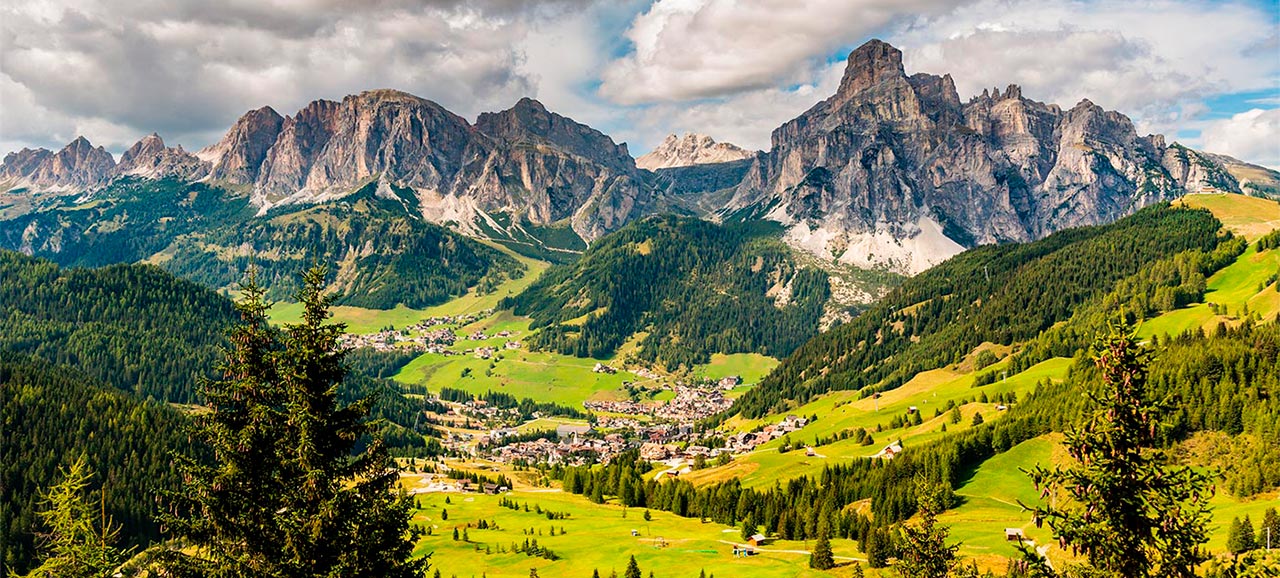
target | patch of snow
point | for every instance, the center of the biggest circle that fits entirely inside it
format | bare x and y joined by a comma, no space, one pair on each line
880,247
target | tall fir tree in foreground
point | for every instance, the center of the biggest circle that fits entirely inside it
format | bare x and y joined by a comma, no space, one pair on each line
78,540
1128,515
284,496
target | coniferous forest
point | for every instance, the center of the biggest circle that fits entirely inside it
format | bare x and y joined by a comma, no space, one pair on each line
695,287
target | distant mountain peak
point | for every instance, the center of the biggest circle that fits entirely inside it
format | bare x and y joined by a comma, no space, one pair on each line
870,64
691,149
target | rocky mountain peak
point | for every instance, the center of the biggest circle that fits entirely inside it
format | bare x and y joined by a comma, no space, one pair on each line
150,157
894,170
79,165
529,121
691,149
239,155
871,64
20,164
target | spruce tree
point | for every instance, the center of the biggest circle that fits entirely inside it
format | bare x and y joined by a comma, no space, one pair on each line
286,494
1128,515
1240,538
749,526
633,569
822,558
74,544
1270,529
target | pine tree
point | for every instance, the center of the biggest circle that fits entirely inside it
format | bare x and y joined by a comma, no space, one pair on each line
286,495
1135,518
878,548
924,552
822,558
749,526
633,569
74,546
1240,538
444,514
1270,528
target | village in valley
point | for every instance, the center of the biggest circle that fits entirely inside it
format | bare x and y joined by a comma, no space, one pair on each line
662,431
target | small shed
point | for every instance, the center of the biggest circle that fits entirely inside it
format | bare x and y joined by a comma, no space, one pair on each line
1014,535
757,540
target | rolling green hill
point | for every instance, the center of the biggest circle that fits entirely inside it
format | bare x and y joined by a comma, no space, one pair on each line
694,288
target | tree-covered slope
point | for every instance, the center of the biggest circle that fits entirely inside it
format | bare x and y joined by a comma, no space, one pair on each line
997,293
694,287
384,252
134,327
49,415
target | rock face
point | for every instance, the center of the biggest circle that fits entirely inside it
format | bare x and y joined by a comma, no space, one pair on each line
526,161
150,158
892,170
79,166
691,149
560,169
530,122
895,170
18,166
238,157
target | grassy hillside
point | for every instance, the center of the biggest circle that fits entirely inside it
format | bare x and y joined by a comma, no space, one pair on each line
597,536
1249,217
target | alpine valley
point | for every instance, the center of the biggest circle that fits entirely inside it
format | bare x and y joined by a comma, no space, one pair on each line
709,360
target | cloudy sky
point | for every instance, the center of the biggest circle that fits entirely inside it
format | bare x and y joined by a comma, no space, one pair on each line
1204,73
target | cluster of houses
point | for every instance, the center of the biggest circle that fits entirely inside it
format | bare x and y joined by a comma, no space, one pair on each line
602,368
431,335
574,445
623,407
747,441
692,404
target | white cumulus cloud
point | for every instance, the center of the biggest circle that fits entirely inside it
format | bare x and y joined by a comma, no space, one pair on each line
692,49
1253,135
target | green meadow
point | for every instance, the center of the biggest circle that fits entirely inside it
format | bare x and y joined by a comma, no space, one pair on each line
597,537
751,367
839,411
990,503
522,373
1235,286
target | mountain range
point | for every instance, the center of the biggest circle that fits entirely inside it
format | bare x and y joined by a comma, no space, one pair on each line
893,170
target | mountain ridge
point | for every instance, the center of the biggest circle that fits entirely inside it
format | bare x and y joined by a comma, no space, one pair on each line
891,171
